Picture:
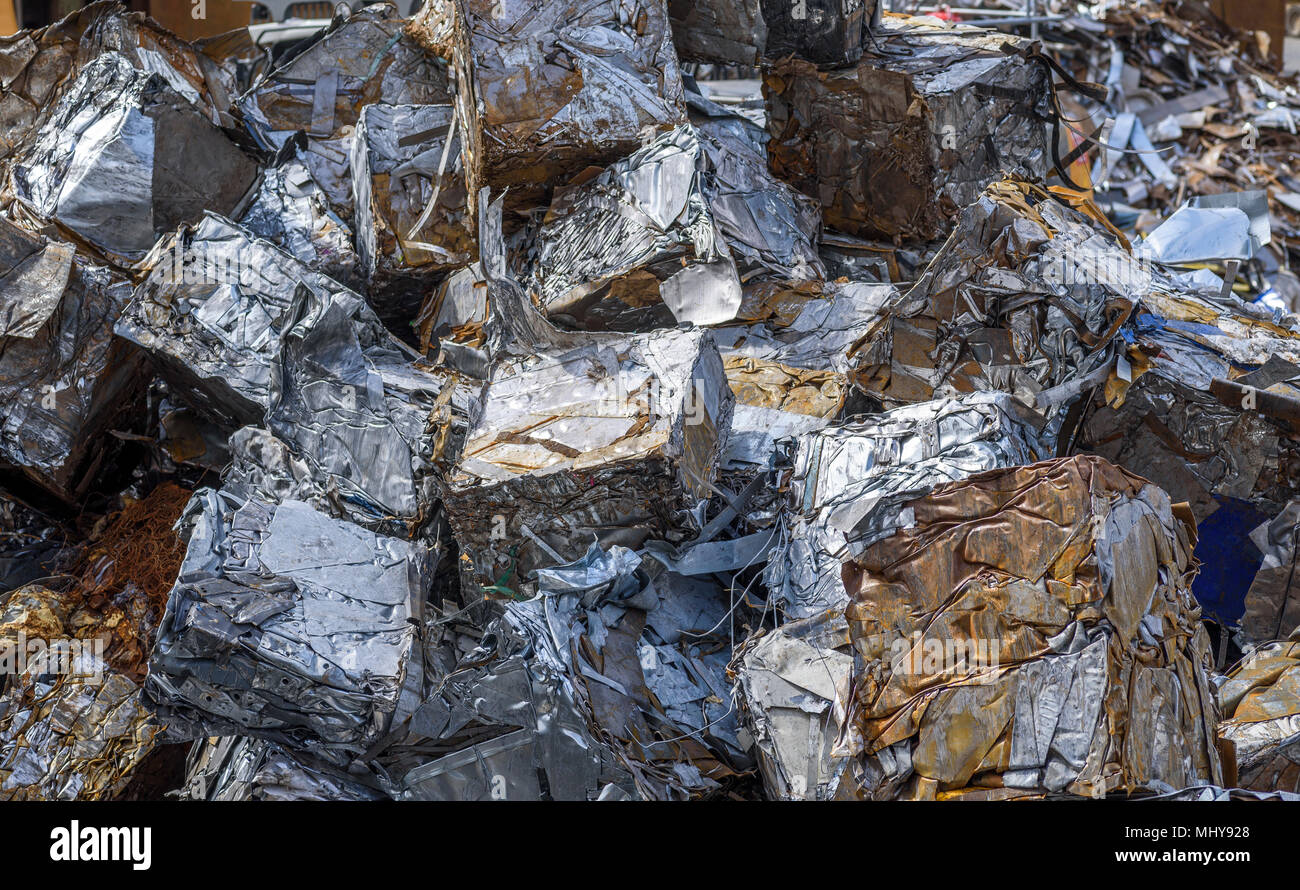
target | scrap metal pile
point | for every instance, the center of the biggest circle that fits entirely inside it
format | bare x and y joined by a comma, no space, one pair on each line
477,405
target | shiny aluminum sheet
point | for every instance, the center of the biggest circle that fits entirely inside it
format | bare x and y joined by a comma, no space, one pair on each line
1260,698
547,88
776,401
292,211
579,435
246,768
665,235
1156,414
897,144
1030,631
1273,600
817,333
644,652
63,376
114,163
213,312
616,438
503,725
793,684
846,485
286,624
352,425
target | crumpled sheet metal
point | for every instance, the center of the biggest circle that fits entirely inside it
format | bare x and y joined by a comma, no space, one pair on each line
667,234
71,727
818,332
719,32
64,378
613,436
1273,600
547,88
1260,699
292,211
246,768
402,157
506,727
1164,421
792,684
643,653
36,65
114,162
899,143
365,58
213,311
1026,297
286,624
353,425
456,311
1032,631
847,484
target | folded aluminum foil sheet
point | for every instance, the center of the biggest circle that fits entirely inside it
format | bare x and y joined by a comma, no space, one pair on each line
245,768
1031,631
287,624
1260,700
35,66
321,91
718,32
1026,297
456,311
846,484
64,378
114,162
826,32
666,234
507,729
72,727
792,684
898,143
292,211
546,89
410,199
213,309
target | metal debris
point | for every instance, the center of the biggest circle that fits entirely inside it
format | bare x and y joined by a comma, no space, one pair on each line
650,401
899,143
1260,699
288,624
1031,631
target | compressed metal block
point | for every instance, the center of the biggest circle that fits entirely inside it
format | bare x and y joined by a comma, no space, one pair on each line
897,144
